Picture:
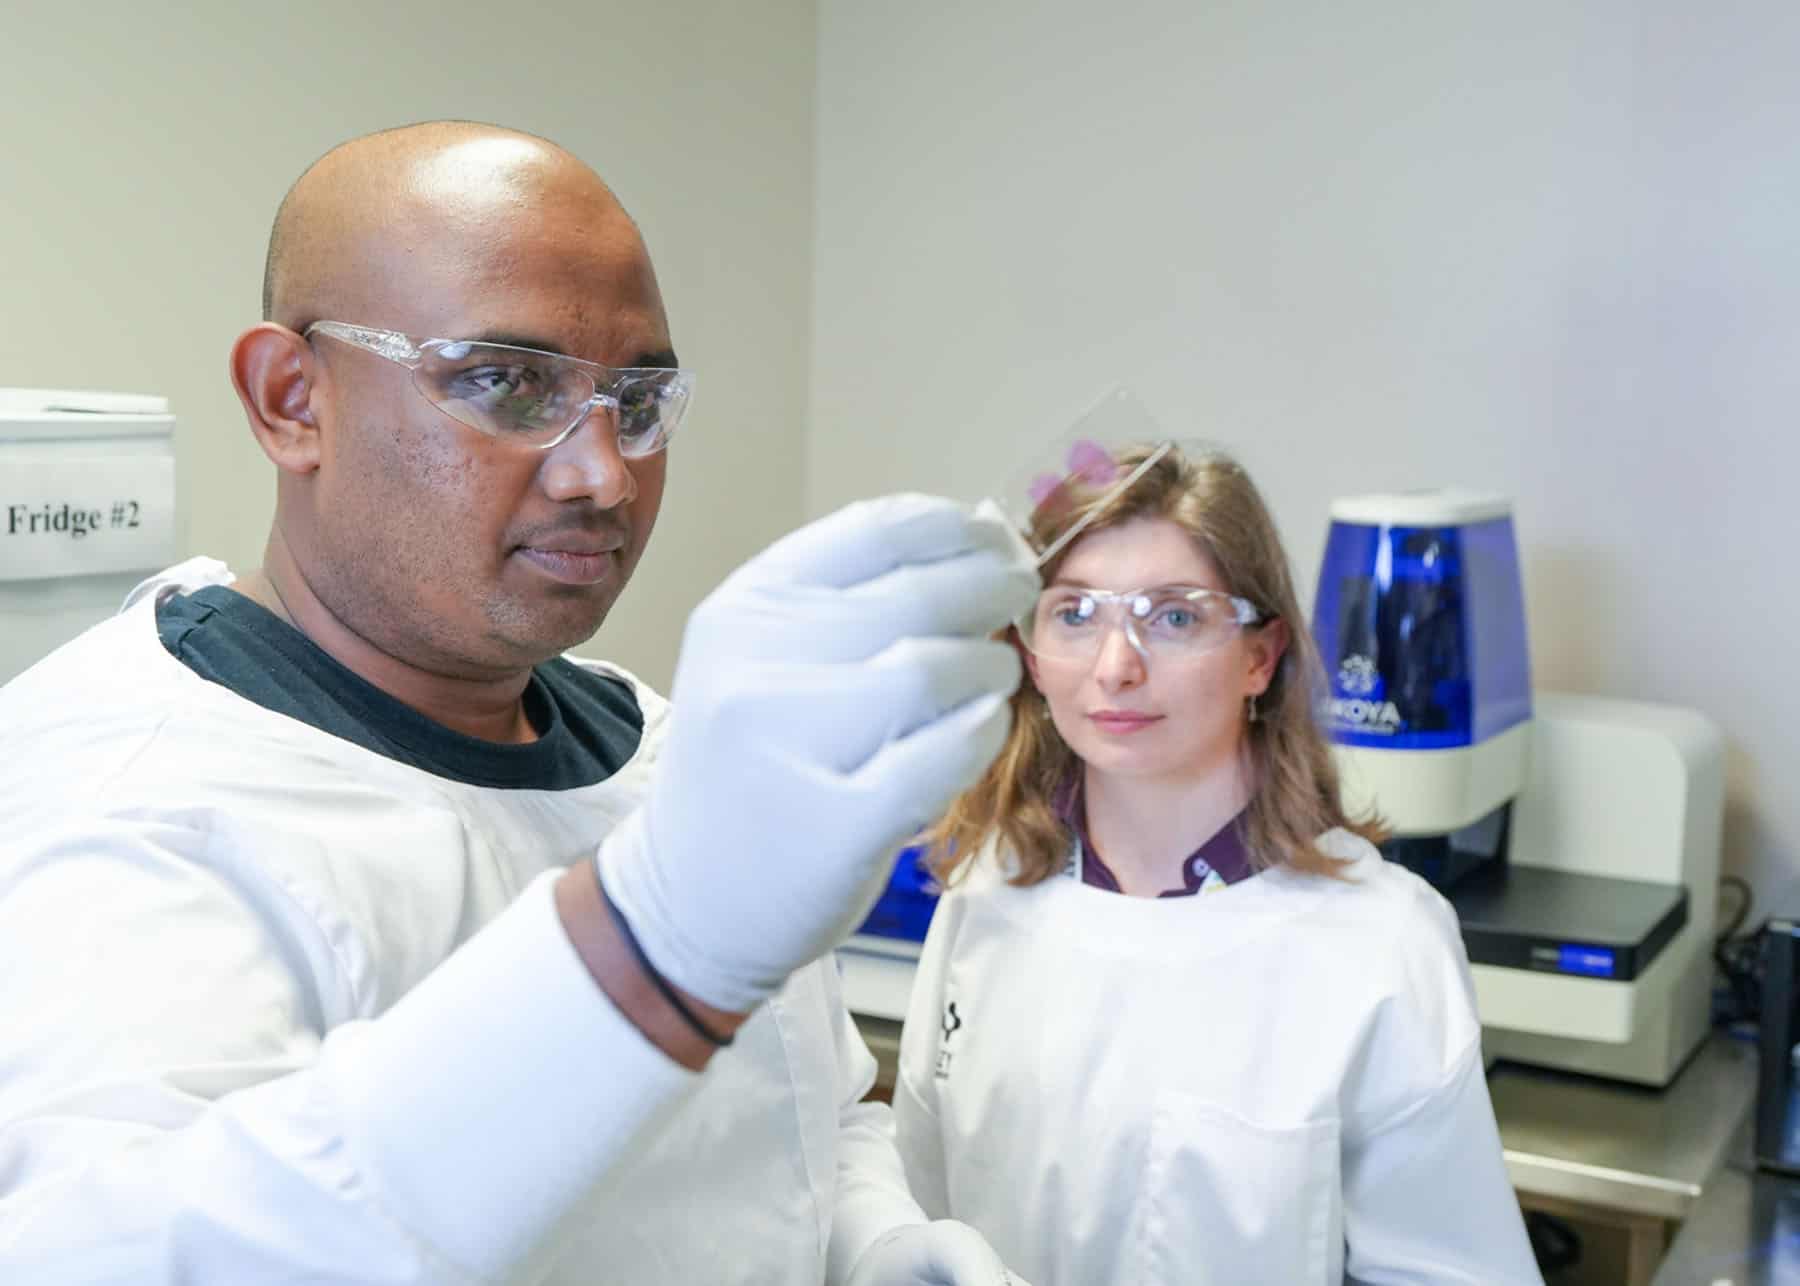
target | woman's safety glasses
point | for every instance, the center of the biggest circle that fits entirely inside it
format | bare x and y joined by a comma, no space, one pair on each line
1172,621
533,398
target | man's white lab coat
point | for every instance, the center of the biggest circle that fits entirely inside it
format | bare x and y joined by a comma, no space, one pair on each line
245,1035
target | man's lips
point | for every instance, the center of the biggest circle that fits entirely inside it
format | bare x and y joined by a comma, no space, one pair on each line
577,540
577,547
574,561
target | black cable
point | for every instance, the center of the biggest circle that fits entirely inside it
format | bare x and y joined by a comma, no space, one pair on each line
1554,1243
1740,960
1738,957
1743,911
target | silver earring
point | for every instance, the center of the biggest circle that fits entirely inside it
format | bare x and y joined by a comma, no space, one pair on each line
1253,714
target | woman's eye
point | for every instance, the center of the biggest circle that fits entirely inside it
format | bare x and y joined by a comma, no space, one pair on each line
1075,612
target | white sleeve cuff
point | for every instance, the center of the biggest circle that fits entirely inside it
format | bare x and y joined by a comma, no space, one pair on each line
492,1098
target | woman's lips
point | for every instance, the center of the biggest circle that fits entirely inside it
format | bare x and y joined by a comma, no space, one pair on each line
1122,722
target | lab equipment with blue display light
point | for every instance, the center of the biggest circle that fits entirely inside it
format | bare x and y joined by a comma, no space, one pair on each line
1577,837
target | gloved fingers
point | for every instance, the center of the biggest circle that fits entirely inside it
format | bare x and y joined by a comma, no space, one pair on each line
962,1256
975,593
943,1253
917,682
989,511
863,540
841,716
938,761
970,596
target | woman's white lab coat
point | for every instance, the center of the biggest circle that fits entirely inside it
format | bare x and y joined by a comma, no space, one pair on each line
1278,1082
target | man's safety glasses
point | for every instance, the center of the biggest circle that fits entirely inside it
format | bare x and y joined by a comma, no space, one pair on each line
533,398
1070,623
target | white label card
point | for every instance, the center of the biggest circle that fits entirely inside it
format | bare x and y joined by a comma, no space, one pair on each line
81,515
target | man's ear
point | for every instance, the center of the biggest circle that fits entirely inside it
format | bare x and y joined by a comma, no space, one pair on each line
1267,646
274,371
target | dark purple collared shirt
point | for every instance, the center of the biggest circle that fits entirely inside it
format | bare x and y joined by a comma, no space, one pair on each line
1224,855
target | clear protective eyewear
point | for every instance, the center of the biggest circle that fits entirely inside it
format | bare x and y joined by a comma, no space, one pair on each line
523,395
1070,623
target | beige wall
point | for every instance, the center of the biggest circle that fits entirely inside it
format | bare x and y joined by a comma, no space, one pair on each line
1546,248
148,145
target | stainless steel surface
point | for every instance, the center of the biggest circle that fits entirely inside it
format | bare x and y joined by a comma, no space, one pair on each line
1621,1147
1744,1231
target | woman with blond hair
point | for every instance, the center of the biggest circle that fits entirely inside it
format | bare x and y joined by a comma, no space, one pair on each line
1176,1020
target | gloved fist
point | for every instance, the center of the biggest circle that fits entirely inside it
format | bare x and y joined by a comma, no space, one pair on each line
944,1253
832,697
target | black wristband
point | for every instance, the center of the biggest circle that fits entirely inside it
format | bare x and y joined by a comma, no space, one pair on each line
662,984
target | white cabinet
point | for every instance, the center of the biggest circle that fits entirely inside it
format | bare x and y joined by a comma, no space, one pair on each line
87,509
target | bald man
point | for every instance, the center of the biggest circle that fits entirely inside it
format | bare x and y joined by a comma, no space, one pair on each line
349,932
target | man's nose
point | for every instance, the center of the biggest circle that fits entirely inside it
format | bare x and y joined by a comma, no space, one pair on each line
588,464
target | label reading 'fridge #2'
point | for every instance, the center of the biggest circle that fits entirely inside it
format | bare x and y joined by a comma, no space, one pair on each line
86,515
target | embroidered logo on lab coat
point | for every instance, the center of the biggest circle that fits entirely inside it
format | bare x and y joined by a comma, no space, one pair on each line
952,1023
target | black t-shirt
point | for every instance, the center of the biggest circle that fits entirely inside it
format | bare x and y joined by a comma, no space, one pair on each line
589,725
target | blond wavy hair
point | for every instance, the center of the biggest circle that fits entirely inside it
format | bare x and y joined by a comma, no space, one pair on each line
1294,782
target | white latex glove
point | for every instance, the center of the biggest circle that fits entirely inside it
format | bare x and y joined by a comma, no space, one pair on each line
944,1253
832,697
